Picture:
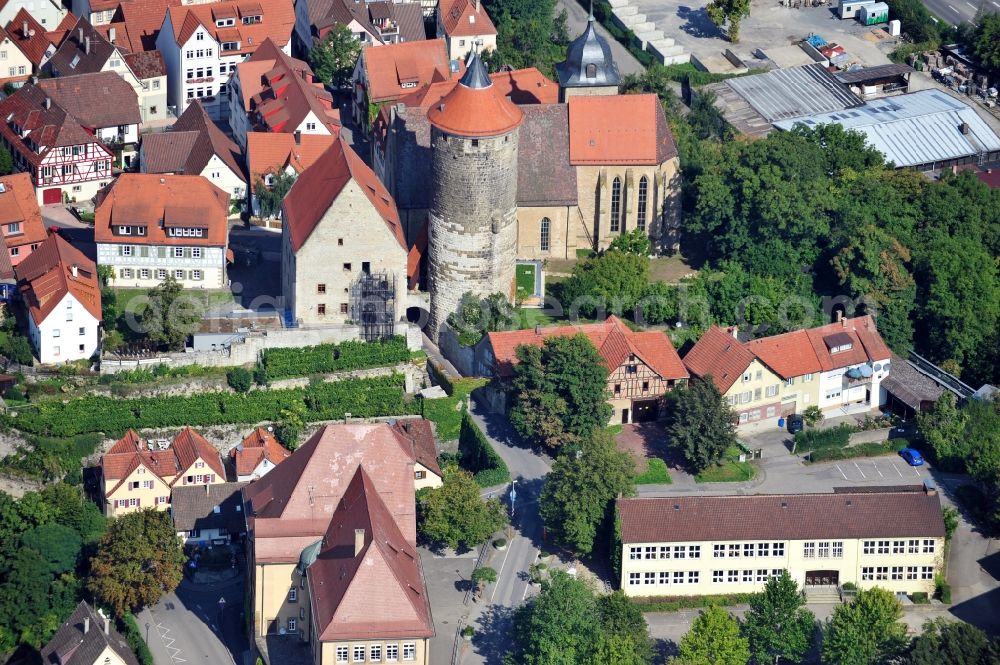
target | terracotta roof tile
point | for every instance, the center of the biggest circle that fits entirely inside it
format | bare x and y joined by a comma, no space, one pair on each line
389,66
146,64
418,434
143,20
35,44
319,186
465,18
73,56
142,199
99,99
277,24
788,355
272,153
293,503
596,139
255,448
19,204
894,513
189,445
211,141
612,338
130,451
475,107
56,269
719,355
377,590
867,343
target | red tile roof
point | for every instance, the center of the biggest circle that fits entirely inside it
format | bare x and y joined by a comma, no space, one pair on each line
189,445
595,139
475,111
866,343
277,24
98,99
890,514
319,186
390,66
143,20
614,341
521,86
53,271
18,204
273,153
35,43
372,589
130,451
168,152
788,355
146,64
465,18
255,448
143,199
291,506
720,355
418,433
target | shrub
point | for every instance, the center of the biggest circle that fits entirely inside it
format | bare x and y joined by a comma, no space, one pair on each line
871,449
919,597
849,586
656,473
942,589
478,456
130,631
326,358
239,379
670,604
484,574
812,415
468,631
500,542
823,438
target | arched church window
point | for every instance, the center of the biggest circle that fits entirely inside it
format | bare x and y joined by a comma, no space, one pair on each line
643,196
616,205
544,231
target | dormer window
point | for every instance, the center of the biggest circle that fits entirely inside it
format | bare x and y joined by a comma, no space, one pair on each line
838,342
408,84
842,348
124,230
230,46
225,23
252,20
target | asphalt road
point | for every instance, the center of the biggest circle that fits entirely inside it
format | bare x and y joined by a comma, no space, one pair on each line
959,11
185,627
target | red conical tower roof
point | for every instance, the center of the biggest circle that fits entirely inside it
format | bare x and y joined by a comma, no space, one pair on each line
474,108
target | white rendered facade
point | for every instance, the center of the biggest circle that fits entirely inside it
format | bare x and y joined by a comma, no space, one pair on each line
68,333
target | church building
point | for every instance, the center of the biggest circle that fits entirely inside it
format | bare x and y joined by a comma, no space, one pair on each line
586,168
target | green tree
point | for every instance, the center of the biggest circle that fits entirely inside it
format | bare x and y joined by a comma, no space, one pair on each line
943,427
170,315
635,241
456,515
577,495
6,161
613,281
560,391
239,379
557,627
270,197
731,12
529,34
291,422
138,560
57,546
334,57
986,42
714,639
778,626
658,304
625,634
477,316
944,642
17,349
701,424
867,631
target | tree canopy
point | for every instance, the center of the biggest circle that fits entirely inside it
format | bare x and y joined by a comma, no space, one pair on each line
169,315
944,642
6,161
866,631
138,560
578,491
529,34
714,639
560,391
333,58
270,197
778,626
477,316
729,14
455,514
700,423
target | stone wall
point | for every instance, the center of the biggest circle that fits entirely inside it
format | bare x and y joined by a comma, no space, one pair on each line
246,353
473,220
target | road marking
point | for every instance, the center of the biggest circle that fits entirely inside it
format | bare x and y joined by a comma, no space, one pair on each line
168,643
878,469
897,469
916,472
953,9
503,563
841,471
997,4
971,5
859,470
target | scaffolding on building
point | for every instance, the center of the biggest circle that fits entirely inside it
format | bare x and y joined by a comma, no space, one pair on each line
373,305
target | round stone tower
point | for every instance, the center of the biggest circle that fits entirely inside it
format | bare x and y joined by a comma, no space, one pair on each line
472,229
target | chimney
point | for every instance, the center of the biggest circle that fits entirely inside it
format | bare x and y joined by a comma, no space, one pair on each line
734,331
74,270
839,314
359,541
964,127
86,625
86,45
298,137
48,102
24,29
844,322
79,36
107,625
111,35
477,6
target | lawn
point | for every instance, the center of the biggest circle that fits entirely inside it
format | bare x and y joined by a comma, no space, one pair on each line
131,299
656,473
525,277
446,412
727,472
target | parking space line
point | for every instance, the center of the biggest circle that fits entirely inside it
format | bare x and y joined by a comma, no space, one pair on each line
500,572
916,471
841,471
897,469
878,469
860,471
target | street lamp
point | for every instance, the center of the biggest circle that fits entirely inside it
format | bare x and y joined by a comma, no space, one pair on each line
147,632
513,495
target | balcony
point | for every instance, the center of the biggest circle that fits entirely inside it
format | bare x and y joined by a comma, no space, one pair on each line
204,79
858,376
389,29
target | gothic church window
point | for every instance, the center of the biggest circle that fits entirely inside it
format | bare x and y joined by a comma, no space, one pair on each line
544,234
643,195
616,205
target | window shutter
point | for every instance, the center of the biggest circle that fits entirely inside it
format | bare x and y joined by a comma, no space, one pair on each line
187,252
162,251
138,502
119,250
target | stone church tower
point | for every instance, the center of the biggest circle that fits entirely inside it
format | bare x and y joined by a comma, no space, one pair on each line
472,227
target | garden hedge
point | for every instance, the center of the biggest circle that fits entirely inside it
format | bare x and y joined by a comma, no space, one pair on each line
814,439
326,358
478,456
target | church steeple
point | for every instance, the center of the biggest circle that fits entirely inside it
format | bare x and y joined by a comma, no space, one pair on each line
589,67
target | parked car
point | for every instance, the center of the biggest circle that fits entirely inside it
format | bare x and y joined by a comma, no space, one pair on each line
912,457
795,423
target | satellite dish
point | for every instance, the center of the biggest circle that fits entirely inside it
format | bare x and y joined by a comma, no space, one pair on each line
865,370
878,367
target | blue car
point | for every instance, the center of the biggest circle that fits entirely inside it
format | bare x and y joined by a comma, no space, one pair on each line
912,457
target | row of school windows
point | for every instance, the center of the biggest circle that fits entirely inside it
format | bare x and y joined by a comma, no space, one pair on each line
873,573
361,653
